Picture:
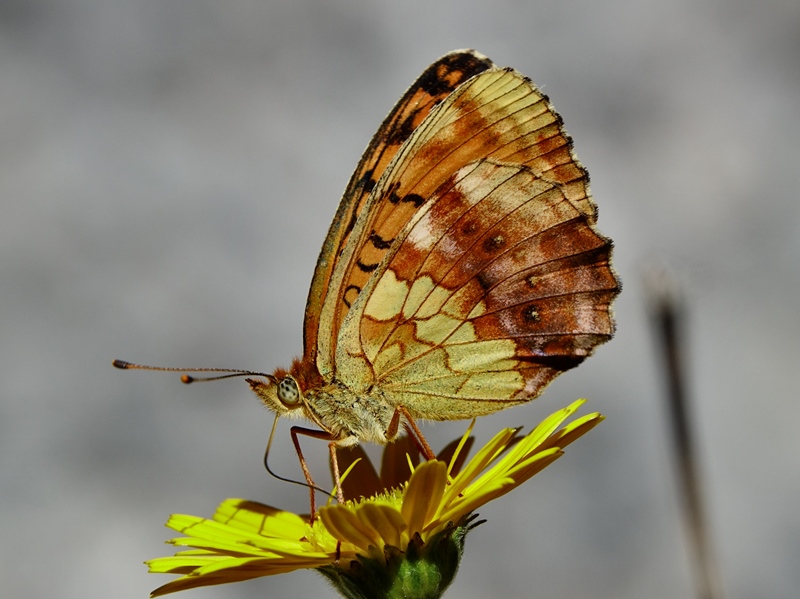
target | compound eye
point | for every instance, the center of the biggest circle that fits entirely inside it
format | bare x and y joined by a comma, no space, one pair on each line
288,391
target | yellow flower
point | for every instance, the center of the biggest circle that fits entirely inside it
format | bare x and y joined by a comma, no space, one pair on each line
421,523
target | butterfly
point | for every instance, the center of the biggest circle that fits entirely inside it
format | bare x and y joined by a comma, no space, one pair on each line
462,272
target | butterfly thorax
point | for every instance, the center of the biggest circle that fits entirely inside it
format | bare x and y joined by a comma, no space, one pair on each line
348,416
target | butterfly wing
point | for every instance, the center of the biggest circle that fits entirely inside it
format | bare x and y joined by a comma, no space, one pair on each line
433,86
496,115
475,274
499,285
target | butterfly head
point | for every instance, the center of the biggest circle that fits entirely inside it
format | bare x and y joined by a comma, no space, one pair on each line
280,393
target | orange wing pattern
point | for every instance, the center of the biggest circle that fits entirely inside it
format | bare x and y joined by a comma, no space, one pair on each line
434,85
501,284
498,115
463,270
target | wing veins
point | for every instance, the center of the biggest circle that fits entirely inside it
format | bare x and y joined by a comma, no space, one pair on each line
434,347
466,140
398,175
500,255
466,252
456,397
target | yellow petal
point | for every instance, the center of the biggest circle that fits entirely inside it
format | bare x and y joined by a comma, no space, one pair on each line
482,459
342,523
574,430
261,519
424,495
386,521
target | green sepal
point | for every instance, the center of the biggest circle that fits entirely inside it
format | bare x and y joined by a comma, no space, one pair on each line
422,571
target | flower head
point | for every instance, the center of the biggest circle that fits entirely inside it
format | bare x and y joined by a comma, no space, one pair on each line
411,534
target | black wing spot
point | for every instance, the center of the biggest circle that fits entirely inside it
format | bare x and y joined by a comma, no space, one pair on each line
378,242
349,227
366,267
485,281
391,193
394,198
415,199
469,227
494,243
531,314
556,362
350,288
403,130
367,183
432,83
450,72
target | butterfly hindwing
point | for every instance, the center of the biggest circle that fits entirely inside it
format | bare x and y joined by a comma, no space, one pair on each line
498,285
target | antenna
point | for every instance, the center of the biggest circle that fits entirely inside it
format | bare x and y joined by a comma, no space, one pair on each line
231,373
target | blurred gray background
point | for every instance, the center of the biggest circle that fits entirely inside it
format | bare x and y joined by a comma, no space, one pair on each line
169,168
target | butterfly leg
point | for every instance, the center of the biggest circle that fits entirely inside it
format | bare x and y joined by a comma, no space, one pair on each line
335,469
412,429
325,436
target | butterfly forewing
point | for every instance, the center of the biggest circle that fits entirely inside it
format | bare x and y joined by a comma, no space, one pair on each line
434,85
499,115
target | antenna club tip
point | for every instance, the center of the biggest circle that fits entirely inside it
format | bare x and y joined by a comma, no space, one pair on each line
186,379
121,364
